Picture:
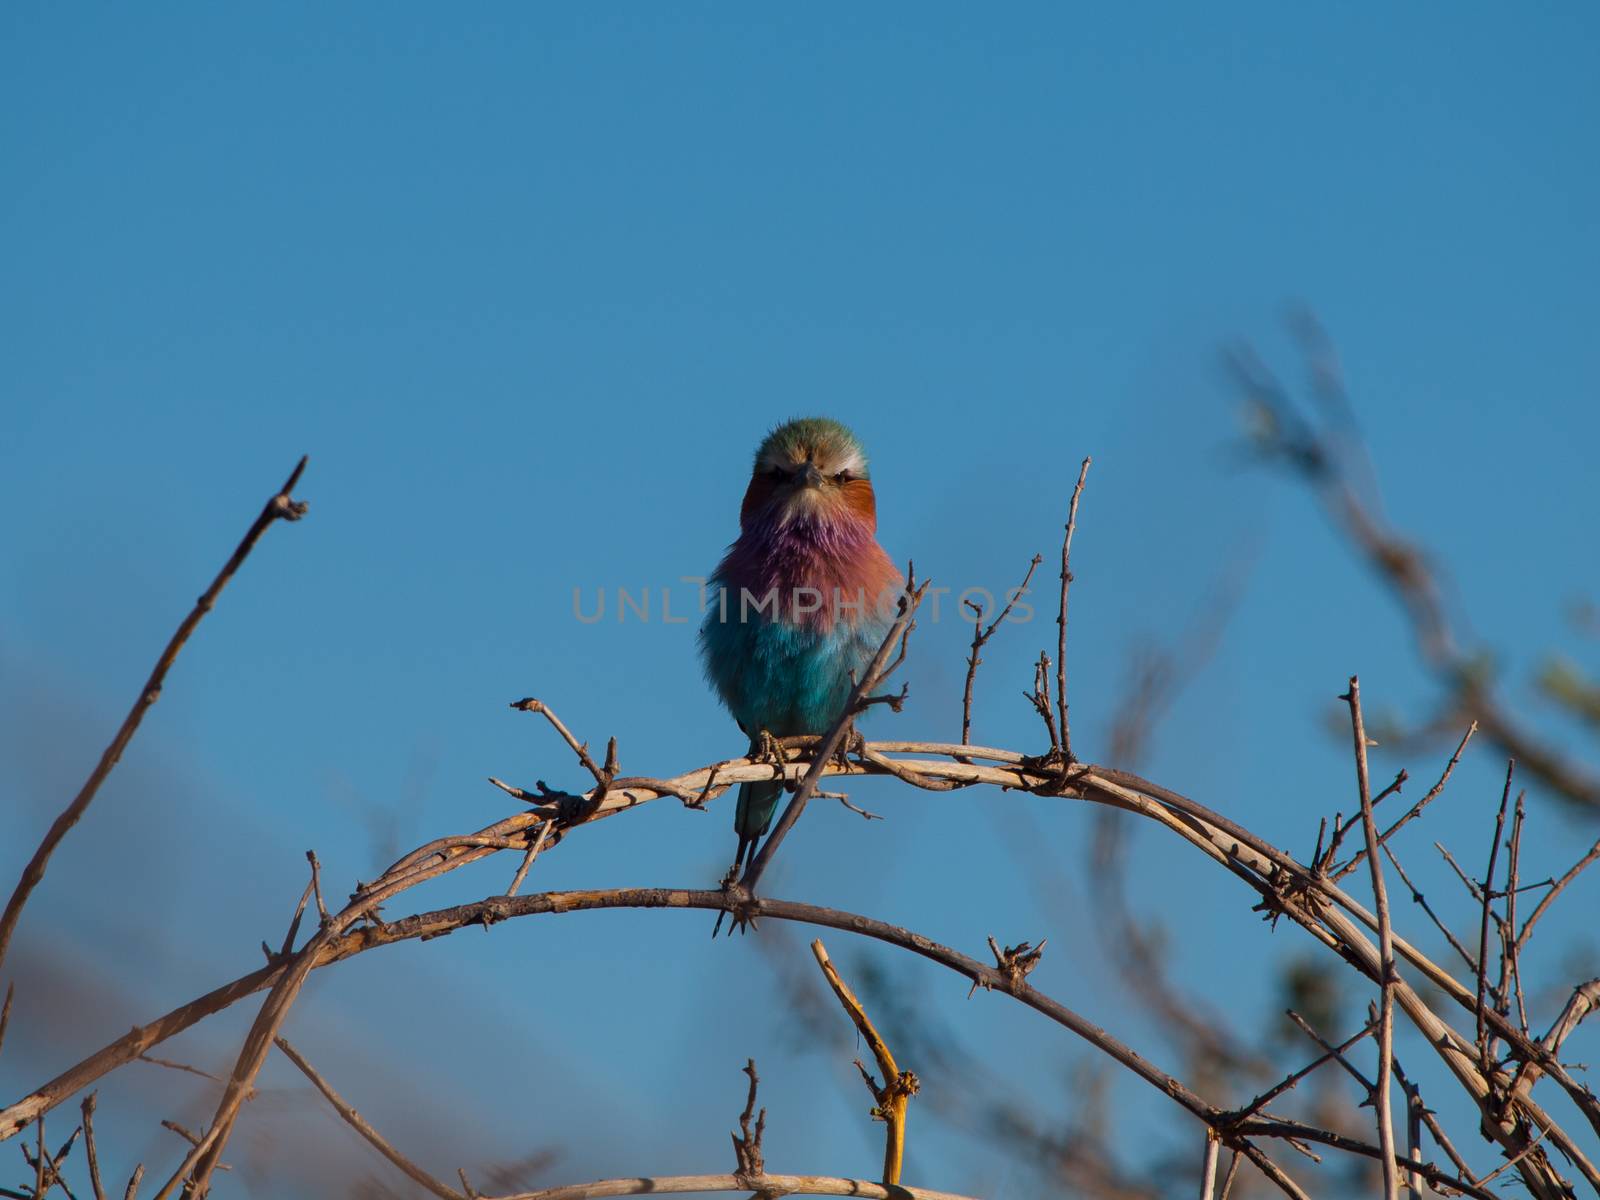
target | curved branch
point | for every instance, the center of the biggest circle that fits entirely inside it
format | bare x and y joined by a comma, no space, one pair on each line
499,908
898,1086
1285,885
762,1185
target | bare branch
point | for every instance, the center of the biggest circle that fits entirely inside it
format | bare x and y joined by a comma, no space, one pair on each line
581,749
1329,1054
89,1146
1416,809
1510,968
1418,898
1269,871
980,636
1289,887
176,1066
294,925
1559,886
898,1086
279,507
528,858
1040,699
1227,1180
764,1185
1208,1169
1487,892
747,1142
360,1124
1380,896
1061,614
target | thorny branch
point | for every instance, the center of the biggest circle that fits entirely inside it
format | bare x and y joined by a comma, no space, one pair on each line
1274,875
1307,894
1391,1185
999,978
747,1142
1061,614
764,1186
981,634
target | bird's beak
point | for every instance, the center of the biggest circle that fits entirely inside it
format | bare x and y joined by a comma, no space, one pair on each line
810,477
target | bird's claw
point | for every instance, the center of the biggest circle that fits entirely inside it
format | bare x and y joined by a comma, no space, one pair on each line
769,749
851,743
742,908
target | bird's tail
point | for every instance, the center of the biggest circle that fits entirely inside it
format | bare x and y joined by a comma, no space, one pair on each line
758,800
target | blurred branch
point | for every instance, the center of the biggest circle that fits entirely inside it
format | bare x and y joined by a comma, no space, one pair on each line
1158,674
1563,683
360,1124
1325,458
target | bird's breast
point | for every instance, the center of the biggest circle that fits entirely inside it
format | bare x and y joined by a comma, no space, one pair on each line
814,576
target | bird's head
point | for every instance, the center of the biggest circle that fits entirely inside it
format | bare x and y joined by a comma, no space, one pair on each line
811,467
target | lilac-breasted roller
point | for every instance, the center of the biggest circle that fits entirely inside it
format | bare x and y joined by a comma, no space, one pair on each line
802,599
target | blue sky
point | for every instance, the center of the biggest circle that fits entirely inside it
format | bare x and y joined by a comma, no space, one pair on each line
528,283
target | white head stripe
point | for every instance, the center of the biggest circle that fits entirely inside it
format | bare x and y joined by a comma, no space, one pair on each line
851,460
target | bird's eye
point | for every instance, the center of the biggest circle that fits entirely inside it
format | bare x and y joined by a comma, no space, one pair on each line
842,477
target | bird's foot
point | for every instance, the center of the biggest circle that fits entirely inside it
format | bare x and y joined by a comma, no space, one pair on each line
769,749
742,908
851,743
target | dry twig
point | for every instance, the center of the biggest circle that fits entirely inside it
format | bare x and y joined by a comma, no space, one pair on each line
89,1146
980,637
279,507
747,1142
763,1185
1385,948
1061,614
899,1086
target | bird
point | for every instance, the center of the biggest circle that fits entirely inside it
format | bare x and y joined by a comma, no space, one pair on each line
801,601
